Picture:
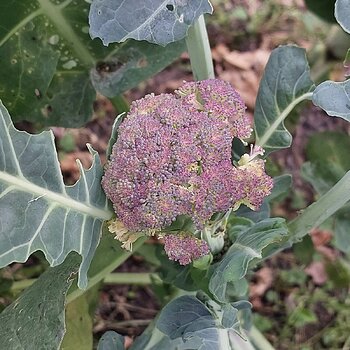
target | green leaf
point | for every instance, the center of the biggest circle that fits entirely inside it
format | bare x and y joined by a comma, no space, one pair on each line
333,98
186,320
247,247
50,67
198,325
301,317
311,174
153,339
304,250
254,215
316,213
338,272
131,63
322,8
157,21
281,185
285,83
342,233
38,212
342,14
36,319
323,149
174,322
79,325
111,341
114,134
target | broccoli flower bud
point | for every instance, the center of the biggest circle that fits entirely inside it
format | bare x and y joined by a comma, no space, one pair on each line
255,185
184,248
220,100
173,157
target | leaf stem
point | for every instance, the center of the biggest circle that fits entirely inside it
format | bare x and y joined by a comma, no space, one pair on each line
130,278
262,141
199,50
321,210
106,270
18,286
112,278
120,104
259,341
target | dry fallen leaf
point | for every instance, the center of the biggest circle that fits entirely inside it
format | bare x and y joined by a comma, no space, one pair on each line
264,280
320,237
317,272
70,167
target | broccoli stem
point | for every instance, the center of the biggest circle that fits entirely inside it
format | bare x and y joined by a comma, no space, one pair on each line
120,104
318,212
199,50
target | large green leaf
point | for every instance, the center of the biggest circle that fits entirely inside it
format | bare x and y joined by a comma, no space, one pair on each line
157,21
38,212
78,325
50,67
341,230
190,323
248,246
193,324
329,161
36,319
328,156
285,83
322,8
333,98
342,14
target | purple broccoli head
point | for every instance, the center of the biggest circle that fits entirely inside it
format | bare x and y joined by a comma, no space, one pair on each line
184,248
173,157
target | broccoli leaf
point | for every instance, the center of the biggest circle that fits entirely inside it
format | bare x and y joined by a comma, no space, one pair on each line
333,98
323,149
38,212
111,341
36,319
247,247
50,67
285,83
190,323
157,21
79,329
342,14
322,8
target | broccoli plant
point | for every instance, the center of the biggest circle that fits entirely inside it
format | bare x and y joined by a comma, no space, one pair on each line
173,157
181,167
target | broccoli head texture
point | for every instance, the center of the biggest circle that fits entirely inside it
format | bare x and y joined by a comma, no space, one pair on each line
173,157
184,248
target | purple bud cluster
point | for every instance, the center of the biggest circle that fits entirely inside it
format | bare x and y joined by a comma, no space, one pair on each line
173,157
220,100
184,248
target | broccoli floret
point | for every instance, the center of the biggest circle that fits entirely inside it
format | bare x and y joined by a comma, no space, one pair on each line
173,157
184,248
